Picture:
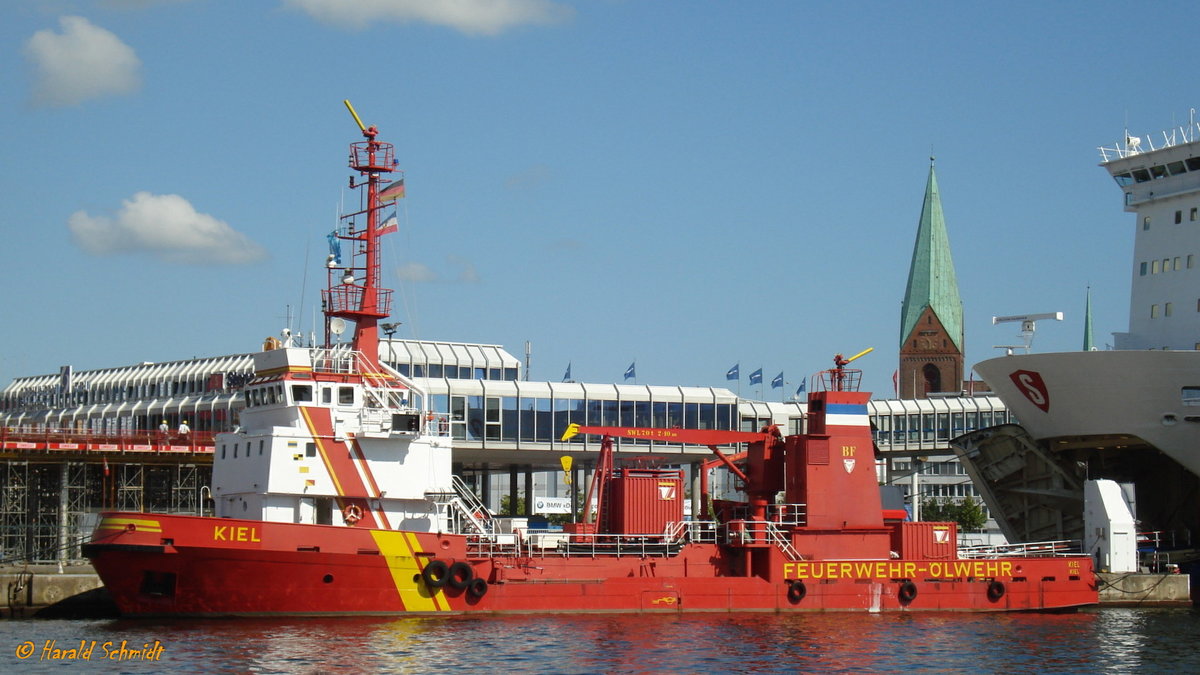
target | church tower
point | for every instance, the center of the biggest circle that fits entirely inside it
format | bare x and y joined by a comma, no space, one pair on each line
931,318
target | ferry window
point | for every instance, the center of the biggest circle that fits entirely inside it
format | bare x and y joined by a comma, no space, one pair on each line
1158,171
1191,395
1177,264
326,395
480,374
302,393
510,373
260,447
1191,261
222,451
1143,269
310,449
346,395
1178,217
1193,163
1167,309
403,368
435,370
1123,179
1166,265
1154,267
1146,223
1141,175
235,449
1192,214
1153,311
418,370
1176,168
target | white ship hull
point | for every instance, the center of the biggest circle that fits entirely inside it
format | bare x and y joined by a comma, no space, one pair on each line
1105,399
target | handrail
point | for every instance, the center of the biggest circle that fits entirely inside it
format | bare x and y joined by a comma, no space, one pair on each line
1037,549
136,439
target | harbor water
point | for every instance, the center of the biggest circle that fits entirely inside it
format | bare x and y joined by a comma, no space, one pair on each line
1108,640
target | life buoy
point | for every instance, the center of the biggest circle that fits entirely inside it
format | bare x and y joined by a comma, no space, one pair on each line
796,591
352,513
477,588
995,590
908,592
435,574
460,576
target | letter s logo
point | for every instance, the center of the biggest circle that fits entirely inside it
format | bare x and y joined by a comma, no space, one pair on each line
1031,385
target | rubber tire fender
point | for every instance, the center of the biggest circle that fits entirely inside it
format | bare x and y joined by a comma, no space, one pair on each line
435,574
796,592
995,590
907,592
477,588
459,576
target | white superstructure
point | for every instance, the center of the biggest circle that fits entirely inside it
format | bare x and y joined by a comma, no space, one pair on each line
1160,179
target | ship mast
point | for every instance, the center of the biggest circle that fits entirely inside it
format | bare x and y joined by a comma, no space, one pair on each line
354,292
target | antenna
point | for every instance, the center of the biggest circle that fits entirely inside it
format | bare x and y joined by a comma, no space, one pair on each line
1028,327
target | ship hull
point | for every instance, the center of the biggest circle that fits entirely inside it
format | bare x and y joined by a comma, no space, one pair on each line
163,565
1104,399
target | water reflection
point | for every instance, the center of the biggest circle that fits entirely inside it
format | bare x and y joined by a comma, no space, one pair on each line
1108,640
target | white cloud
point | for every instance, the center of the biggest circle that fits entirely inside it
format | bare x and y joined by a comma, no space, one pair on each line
415,271
468,273
81,63
420,272
533,177
474,17
166,226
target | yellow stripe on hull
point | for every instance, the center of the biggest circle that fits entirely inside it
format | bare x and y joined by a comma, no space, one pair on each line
398,550
123,523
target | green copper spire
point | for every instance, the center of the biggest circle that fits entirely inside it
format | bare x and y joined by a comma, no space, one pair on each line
1087,323
931,280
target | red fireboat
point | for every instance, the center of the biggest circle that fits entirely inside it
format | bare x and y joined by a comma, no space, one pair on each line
336,496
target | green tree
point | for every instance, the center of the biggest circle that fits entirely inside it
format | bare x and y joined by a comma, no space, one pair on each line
967,512
971,516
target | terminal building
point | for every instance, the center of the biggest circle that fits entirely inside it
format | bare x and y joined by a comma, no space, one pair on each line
75,443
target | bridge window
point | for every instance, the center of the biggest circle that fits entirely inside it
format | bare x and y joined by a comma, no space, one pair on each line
346,395
1191,395
302,393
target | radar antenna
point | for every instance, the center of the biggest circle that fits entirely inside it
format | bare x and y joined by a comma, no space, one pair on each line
1028,327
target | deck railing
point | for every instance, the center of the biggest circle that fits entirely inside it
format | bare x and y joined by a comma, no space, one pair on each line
138,440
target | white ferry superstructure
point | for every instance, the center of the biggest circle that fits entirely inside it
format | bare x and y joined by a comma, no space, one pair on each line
1116,410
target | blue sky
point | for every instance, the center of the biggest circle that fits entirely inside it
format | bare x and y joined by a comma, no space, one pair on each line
685,184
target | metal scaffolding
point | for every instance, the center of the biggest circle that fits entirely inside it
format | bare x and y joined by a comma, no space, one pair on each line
48,509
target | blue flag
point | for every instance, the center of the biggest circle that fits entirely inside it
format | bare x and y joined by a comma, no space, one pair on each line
777,383
335,247
567,375
800,389
629,371
732,373
756,377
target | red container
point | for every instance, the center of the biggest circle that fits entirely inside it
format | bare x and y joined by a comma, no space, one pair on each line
927,541
643,501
